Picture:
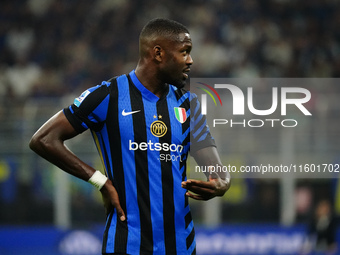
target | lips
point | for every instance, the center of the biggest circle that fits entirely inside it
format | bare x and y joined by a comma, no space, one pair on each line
185,73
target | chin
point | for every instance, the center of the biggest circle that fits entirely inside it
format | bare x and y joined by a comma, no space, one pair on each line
179,84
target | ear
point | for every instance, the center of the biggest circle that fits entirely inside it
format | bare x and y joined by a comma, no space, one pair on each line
158,53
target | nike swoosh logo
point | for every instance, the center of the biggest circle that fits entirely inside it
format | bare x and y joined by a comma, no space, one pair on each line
129,113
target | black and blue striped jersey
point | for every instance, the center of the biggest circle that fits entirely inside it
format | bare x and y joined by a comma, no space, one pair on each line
144,142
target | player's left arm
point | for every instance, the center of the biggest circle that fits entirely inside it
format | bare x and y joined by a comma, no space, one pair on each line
218,182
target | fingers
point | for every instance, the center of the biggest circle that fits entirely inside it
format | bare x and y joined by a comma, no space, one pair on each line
111,199
196,196
203,190
119,210
120,213
204,184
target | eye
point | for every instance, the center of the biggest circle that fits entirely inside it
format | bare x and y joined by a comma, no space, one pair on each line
185,52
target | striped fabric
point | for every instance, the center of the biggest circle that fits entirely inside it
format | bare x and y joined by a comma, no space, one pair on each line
143,142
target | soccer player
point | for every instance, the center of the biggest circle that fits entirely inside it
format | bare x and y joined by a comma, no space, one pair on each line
143,128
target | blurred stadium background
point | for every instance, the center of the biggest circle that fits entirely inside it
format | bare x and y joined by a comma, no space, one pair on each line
51,50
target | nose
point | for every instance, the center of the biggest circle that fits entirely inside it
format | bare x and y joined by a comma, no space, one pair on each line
189,60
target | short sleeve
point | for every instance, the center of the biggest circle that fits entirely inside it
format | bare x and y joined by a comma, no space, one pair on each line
200,133
89,110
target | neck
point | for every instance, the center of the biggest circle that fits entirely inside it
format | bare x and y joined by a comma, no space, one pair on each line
149,78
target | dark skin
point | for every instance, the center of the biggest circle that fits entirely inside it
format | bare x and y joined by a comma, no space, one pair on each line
162,62
217,184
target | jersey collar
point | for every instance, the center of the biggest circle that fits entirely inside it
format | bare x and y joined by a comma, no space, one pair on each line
145,92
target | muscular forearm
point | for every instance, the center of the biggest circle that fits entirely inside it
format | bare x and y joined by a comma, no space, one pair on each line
218,181
208,157
48,142
58,154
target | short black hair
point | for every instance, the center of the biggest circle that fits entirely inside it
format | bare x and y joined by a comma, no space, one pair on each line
162,27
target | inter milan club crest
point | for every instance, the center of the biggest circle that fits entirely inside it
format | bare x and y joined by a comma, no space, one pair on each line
158,128
181,114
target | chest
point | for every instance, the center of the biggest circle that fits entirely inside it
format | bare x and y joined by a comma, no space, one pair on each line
164,121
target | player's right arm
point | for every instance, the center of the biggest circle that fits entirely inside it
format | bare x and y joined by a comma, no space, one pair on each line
49,143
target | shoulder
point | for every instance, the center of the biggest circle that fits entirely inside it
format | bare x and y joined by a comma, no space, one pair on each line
97,93
92,92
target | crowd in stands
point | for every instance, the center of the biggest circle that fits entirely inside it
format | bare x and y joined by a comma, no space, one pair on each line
52,47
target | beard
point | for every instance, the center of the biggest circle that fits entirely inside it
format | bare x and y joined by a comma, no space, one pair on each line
174,77
179,84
